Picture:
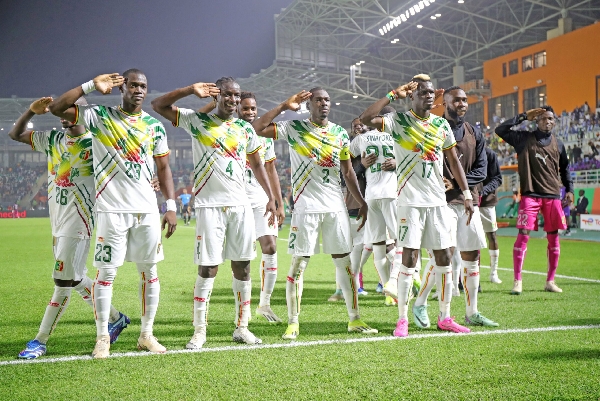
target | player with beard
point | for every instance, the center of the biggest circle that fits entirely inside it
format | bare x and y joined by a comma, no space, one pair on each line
127,144
470,238
421,140
222,146
266,234
318,151
71,202
543,165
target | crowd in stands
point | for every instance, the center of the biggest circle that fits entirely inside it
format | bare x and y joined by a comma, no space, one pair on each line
16,182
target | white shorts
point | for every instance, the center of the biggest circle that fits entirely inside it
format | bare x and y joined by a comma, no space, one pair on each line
70,256
131,237
381,220
357,236
488,219
334,228
224,232
425,227
261,223
468,237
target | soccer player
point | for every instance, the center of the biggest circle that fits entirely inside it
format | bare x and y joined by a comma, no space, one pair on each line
319,149
543,165
265,233
185,202
360,251
71,203
381,198
127,144
222,145
420,142
470,238
487,209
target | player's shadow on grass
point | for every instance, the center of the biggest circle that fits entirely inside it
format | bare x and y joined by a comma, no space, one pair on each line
574,354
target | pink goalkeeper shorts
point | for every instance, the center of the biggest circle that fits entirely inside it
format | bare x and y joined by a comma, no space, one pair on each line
554,217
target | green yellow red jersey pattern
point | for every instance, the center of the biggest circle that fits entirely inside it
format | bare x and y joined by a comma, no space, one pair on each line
219,150
315,154
71,192
418,147
256,194
125,146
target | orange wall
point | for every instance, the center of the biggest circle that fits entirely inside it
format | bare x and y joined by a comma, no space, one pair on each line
572,64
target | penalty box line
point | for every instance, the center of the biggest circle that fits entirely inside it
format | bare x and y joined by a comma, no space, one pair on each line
294,344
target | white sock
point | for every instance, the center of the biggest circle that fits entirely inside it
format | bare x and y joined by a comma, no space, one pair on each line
381,263
58,304
494,255
268,277
427,283
243,290
394,265
366,254
202,291
404,287
349,284
355,257
102,296
293,287
471,284
84,288
443,281
149,294
456,263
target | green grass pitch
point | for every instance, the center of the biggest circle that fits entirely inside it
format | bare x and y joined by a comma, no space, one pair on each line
508,363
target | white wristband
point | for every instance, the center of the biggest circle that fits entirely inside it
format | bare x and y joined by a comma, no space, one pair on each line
171,206
88,87
467,195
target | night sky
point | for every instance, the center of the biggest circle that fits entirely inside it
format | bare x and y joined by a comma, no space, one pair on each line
48,47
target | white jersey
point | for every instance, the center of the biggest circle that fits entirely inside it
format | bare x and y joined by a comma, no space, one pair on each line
380,183
70,181
418,146
219,149
125,146
256,194
315,156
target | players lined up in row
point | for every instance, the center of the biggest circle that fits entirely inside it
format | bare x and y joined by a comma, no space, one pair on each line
101,167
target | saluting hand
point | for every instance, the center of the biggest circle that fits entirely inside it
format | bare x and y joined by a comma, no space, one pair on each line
106,82
404,90
533,113
294,102
40,106
203,90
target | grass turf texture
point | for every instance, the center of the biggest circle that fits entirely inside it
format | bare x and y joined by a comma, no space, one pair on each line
537,365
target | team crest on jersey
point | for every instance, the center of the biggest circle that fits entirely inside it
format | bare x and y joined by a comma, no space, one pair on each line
158,248
59,266
100,239
199,238
294,228
402,221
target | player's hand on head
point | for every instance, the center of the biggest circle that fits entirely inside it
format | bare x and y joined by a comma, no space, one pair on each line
533,113
368,160
404,90
294,102
203,89
106,82
469,209
40,106
170,220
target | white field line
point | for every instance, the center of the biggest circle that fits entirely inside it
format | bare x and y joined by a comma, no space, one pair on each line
306,344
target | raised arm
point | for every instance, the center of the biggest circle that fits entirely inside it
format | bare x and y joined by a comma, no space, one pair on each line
263,125
19,131
370,117
352,185
165,179
165,104
516,138
276,188
459,175
63,106
208,107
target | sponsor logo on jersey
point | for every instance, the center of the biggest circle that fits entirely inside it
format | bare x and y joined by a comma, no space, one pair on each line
59,266
100,239
402,221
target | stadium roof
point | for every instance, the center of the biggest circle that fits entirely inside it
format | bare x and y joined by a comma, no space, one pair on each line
319,42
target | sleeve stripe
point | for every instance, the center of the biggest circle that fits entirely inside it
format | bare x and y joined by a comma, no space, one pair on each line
450,147
270,160
382,125
176,123
254,151
276,131
31,140
76,115
162,154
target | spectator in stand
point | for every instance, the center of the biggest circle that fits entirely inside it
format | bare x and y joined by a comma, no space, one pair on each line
580,208
593,151
576,153
570,154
